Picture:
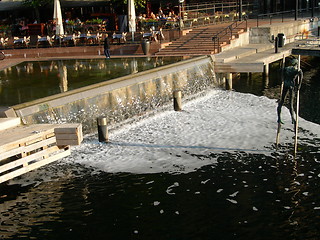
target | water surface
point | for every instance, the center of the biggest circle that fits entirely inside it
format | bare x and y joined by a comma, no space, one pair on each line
208,172
28,81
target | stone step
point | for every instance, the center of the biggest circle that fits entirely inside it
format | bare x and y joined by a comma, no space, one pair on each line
200,39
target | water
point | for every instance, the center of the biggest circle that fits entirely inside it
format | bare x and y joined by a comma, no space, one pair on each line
208,172
33,80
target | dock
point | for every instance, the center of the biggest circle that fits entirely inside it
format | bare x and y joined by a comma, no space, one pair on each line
24,148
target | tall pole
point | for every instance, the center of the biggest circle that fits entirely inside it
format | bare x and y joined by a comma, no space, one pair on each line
297,115
240,10
296,10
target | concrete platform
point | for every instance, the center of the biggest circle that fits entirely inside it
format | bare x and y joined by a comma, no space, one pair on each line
250,58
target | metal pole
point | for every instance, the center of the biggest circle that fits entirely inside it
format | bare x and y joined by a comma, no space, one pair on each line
297,115
240,10
281,89
296,10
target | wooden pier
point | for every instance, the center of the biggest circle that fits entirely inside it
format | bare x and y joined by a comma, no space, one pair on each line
24,148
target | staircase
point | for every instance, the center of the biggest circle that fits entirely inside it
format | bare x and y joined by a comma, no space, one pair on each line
199,41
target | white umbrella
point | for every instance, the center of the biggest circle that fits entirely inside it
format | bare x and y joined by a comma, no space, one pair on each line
57,16
131,17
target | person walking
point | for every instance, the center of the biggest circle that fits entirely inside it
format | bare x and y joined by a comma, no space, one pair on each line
106,46
292,79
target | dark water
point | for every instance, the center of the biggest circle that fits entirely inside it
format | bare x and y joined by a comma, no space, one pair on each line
33,80
242,196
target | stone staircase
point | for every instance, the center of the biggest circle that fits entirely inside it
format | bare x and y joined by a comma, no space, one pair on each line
199,41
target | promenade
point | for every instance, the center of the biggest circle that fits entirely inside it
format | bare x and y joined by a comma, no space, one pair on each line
129,49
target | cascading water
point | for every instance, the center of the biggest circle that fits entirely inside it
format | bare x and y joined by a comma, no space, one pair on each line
120,98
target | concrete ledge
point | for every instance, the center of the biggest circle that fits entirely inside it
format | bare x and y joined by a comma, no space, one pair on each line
121,98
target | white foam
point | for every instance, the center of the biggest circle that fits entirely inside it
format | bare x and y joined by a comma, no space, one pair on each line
221,121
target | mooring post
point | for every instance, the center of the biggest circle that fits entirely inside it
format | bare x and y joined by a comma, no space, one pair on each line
276,43
177,103
266,70
229,81
102,129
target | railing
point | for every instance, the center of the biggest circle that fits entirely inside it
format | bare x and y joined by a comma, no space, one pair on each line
199,14
228,30
285,15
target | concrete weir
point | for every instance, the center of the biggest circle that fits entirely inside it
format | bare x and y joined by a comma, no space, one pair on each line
120,98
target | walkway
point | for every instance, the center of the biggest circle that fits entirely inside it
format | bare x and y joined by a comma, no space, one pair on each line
247,53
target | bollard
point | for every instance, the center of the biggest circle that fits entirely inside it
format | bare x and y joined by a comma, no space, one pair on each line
177,104
102,129
276,45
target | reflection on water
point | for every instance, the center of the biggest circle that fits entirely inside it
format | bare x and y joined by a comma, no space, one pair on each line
243,196
239,195
32,80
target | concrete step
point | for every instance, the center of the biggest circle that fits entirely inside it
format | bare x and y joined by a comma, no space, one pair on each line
241,52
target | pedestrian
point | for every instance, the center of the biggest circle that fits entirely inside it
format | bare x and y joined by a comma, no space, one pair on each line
292,79
106,46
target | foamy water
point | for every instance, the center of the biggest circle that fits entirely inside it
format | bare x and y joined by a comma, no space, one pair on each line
220,121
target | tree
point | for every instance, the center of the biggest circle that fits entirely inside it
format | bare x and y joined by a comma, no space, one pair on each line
138,3
121,4
36,5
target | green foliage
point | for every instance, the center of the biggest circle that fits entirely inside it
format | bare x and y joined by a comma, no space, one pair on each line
36,3
95,21
138,3
4,28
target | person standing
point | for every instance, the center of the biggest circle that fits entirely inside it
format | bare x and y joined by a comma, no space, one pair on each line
106,46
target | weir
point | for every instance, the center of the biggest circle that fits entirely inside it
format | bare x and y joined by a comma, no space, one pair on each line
120,98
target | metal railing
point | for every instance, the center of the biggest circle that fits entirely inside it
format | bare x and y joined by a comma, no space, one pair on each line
292,14
199,14
227,30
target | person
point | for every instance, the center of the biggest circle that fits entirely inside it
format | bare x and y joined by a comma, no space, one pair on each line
292,79
78,21
160,13
152,16
106,46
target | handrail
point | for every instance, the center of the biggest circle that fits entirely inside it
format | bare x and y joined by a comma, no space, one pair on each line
229,29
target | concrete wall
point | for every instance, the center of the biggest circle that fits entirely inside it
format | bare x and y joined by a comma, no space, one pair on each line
263,34
121,98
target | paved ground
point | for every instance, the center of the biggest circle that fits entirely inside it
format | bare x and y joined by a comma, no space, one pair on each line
8,62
